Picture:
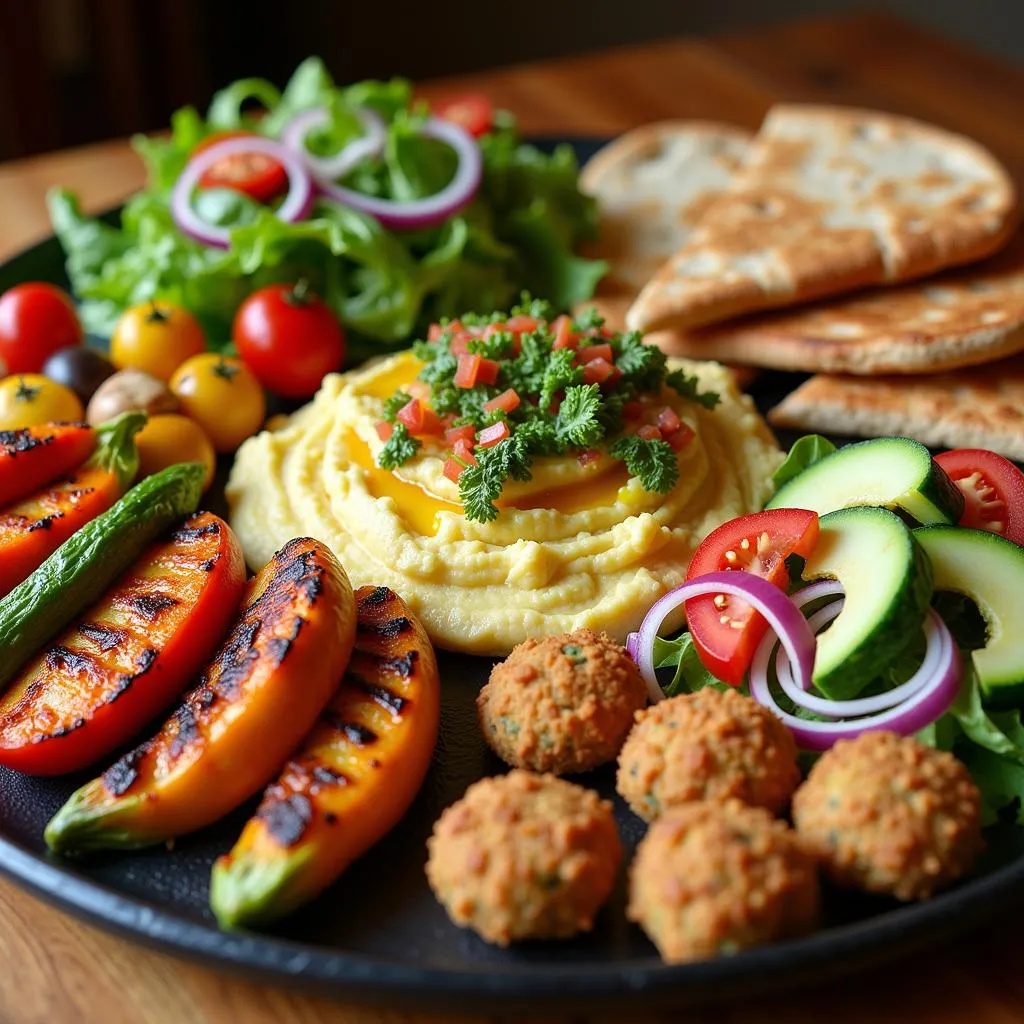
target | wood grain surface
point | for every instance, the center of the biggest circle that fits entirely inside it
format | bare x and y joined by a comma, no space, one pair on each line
59,971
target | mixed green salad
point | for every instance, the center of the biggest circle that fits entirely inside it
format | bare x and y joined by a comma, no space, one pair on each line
518,231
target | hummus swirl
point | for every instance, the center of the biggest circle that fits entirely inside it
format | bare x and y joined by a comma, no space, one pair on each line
575,546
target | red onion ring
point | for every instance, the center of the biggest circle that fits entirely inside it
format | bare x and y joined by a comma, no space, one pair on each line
421,213
931,700
295,207
330,168
785,619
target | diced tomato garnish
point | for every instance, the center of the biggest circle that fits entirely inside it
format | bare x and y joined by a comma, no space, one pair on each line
592,352
456,434
507,401
384,429
680,438
633,410
488,372
460,344
464,450
993,490
419,419
649,432
435,333
667,420
726,630
587,457
468,371
419,389
563,332
473,111
597,371
448,421
521,324
491,435
453,470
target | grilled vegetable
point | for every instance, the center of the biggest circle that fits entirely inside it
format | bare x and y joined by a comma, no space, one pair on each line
78,572
32,529
259,697
129,656
352,779
34,456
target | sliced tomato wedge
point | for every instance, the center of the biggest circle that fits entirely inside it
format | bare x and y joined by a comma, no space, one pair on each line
726,630
473,111
256,175
993,489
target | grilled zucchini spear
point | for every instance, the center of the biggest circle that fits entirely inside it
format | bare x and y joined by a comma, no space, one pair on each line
351,780
260,695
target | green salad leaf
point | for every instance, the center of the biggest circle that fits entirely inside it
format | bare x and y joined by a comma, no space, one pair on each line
519,233
806,451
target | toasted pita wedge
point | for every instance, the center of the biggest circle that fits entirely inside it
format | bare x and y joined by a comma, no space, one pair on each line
982,407
960,318
652,185
829,200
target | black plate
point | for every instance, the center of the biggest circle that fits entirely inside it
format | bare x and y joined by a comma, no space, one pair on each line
378,935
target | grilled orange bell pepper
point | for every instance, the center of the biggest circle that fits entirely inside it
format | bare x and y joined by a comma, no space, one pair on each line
352,779
129,656
33,456
33,528
259,696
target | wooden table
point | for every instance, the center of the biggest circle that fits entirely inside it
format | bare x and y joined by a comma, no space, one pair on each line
58,970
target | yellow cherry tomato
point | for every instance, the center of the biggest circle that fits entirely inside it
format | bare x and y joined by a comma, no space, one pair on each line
169,439
156,337
223,396
30,398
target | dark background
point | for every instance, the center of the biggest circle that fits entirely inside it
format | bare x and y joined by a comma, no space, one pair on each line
74,71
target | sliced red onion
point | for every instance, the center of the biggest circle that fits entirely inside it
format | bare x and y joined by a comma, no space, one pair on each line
330,168
421,213
929,702
861,705
632,641
296,205
788,624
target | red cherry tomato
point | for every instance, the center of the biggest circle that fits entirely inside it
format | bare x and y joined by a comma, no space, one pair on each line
289,338
993,489
256,175
758,543
473,111
36,320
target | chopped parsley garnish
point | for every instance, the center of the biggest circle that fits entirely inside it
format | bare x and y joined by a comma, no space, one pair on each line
524,370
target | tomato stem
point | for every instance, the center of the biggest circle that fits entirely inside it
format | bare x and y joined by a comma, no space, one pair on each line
222,369
156,315
26,392
299,294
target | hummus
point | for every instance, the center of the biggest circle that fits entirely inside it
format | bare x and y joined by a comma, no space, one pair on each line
575,546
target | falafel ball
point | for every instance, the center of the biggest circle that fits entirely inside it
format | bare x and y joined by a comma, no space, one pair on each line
715,878
708,745
887,814
561,704
524,856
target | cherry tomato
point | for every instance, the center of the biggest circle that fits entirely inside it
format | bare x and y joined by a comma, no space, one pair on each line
256,175
29,398
759,543
156,337
36,319
473,111
289,338
168,439
79,368
993,489
222,396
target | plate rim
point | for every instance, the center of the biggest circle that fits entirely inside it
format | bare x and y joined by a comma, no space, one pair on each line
367,979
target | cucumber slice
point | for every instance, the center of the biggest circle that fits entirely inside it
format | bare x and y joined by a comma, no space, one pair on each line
894,472
888,583
988,569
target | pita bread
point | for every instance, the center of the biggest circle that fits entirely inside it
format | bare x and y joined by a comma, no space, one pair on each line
982,407
829,200
652,185
961,318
